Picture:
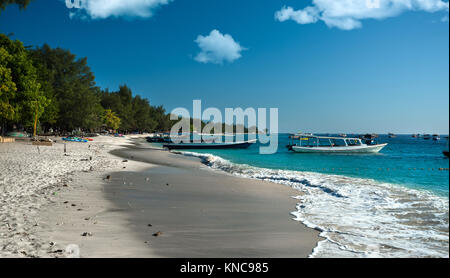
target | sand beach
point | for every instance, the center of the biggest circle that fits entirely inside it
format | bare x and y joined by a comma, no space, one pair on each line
116,197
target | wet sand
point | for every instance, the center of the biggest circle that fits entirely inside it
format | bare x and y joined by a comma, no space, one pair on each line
160,204
205,213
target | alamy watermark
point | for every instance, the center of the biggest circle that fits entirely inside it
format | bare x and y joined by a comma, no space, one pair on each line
213,132
75,4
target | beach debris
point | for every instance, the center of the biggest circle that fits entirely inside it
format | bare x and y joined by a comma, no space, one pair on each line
73,205
87,218
149,225
90,158
66,202
86,234
108,177
125,160
65,185
84,159
79,209
157,234
147,179
52,243
91,169
167,184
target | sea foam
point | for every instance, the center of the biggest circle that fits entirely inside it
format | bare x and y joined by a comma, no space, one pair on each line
358,217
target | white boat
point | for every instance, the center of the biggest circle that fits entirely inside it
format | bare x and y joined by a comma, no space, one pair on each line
322,144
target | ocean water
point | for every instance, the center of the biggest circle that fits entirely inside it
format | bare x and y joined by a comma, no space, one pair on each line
391,204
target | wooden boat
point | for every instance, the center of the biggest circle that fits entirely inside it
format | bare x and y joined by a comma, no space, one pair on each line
322,144
203,146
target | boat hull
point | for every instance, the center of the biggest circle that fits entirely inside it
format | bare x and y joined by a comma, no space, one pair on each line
209,146
347,149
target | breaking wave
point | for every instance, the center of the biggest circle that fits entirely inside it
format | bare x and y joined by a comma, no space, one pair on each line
358,217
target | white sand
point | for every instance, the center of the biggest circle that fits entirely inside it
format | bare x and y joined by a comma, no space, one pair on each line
49,200
31,177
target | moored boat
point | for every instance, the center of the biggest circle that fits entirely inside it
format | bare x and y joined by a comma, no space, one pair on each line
426,136
323,144
226,145
436,137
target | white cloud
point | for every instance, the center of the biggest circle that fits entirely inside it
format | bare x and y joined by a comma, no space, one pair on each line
100,9
217,48
348,14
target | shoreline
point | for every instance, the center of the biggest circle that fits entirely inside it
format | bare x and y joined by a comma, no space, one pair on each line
234,217
402,212
101,217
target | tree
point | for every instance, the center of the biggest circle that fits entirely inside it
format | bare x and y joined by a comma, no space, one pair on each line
22,3
27,102
8,88
46,78
111,120
71,86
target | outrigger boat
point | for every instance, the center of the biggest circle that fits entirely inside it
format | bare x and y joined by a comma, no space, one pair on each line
212,145
323,144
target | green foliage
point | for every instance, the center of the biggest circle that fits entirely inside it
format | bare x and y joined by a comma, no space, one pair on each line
27,100
22,3
7,88
111,120
70,84
136,113
59,89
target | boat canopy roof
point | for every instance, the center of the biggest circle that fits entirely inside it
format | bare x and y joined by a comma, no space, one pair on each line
298,136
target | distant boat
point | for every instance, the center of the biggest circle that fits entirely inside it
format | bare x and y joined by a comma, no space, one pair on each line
323,144
392,135
343,135
415,135
436,137
203,146
426,136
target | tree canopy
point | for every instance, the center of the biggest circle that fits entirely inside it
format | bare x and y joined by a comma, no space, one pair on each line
21,94
53,88
21,3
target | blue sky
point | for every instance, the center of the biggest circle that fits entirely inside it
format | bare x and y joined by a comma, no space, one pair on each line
327,68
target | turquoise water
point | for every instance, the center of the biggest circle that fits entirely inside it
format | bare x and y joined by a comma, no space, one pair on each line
391,204
406,161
